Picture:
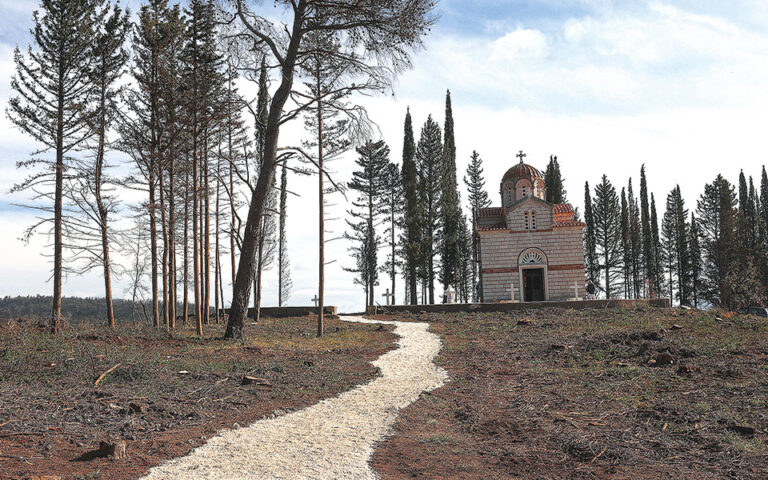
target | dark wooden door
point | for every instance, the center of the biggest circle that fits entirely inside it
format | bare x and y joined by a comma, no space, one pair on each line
533,284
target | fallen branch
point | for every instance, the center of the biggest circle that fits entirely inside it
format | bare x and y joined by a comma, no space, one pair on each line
101,377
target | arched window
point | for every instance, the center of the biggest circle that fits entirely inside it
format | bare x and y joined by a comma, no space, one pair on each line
523,189
508,194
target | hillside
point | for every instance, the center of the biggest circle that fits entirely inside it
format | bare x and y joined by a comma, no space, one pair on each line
594,394
75,309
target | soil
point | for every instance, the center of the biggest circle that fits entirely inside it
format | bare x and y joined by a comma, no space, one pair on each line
594,394
169,394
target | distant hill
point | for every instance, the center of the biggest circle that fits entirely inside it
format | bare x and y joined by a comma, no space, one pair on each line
74,309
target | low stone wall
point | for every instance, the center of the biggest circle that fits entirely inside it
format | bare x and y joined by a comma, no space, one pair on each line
510,307
279,312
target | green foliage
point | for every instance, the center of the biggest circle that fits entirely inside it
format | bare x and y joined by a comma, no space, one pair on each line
555,191
413,215
590,240
429,161
370,184
607,231
450,210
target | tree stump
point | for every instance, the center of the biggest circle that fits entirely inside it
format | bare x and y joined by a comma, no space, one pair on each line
113,449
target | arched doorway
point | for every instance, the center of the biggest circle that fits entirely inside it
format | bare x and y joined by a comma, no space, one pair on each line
532,265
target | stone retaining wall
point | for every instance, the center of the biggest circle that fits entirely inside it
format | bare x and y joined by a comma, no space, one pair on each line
509,307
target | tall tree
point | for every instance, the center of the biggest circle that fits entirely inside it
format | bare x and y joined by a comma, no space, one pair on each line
555,191
696,261
478,198
368,182
284,282
388,30
450,211
413,214
649,256
392,209
591,261
625,245
607,228
635,241
716,213
657,270
51,85
429,160
92,187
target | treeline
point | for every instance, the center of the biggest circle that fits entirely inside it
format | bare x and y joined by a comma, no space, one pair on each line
714,255
161,88
74,308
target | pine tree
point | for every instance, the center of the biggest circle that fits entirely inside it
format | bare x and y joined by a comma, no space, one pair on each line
92,189
429,159
591,261
392,210
450,211
555,192
51,84
413,214
607,228
373,160
478,198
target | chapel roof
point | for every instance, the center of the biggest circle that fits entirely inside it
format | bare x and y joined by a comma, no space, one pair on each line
490,212
562,208
522,170
568,223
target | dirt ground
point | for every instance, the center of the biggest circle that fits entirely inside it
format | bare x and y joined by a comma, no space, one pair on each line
601,394
168,394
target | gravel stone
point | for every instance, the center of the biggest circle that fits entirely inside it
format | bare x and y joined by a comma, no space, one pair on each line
333,439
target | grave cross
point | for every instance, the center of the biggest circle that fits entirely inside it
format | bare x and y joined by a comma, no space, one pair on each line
521,155
388,296
512,290
316,300
576,290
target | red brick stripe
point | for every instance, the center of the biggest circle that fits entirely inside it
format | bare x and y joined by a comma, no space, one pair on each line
552,268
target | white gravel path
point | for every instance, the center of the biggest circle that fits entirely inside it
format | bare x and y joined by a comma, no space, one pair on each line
333,439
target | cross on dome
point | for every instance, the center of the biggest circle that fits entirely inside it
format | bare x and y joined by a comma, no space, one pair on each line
521,155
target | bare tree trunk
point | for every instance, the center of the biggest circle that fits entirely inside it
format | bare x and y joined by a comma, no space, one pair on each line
102,209
164,231
321,213
216,249
245,270
153,242
58,206
393,273
185,314
195,236
207,239
259,269
172,243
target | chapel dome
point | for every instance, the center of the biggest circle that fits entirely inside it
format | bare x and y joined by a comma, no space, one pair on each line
522,170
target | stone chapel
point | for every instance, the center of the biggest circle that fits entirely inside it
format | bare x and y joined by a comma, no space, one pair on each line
529,246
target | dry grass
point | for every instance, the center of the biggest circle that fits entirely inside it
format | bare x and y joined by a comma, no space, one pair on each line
576,394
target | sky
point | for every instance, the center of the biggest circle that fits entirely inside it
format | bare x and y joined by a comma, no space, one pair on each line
607,86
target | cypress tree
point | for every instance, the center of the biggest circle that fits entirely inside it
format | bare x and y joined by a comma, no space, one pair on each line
555,192
413,214
429,159
285,283
669,246
696,263
635,240
625,245
657,270
607,227
649,257
591,262
450,211
51,84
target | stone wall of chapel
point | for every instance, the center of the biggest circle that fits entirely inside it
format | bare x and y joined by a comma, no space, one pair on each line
516,218
500,252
